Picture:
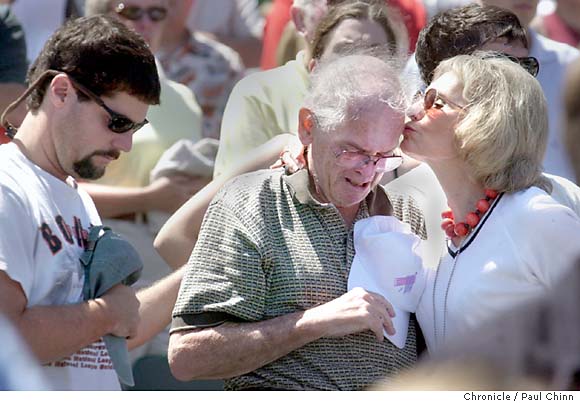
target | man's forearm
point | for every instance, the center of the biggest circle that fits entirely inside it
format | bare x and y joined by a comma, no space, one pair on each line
56,332
233,349
237,348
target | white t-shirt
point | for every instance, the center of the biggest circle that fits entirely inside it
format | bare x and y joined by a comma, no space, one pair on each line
527,243
45,223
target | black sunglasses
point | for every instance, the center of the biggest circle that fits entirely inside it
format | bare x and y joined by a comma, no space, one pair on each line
528,63
135,13
118,123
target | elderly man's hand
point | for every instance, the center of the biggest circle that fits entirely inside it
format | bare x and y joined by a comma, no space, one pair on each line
356,311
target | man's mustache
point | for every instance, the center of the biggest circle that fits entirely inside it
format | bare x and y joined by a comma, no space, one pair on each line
115,154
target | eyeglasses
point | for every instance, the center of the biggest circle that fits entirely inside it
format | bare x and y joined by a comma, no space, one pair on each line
432,99
358,159
135,13
118,123
528,63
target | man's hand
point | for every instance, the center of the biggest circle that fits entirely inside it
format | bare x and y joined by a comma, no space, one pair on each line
121,309
356,311
169,193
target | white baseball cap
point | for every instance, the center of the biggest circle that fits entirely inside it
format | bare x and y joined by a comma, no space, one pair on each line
388,261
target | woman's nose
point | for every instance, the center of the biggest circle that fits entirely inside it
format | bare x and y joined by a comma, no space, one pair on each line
416,111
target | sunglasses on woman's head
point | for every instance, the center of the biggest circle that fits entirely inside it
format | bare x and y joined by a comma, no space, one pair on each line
135,13
118,123
528,63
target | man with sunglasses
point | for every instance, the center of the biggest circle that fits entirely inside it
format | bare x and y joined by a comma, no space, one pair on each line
264,300
503,26
89,92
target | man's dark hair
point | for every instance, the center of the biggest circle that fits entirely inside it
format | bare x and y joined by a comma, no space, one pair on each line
461,31
103,55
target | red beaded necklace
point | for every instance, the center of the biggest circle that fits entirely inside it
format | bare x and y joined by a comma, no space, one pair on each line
463,228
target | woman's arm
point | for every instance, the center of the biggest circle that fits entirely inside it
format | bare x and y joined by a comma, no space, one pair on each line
176,239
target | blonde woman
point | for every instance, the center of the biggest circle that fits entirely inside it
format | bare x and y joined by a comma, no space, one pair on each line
482,128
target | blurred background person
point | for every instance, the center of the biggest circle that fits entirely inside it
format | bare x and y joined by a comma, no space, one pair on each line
572,114
40,18
563,24
285,34
235,23
209,68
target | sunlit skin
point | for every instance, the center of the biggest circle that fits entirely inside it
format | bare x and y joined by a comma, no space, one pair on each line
151,31
377,130
429,135
82,134
524,9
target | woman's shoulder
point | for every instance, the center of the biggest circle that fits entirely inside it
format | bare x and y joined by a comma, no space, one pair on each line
534,208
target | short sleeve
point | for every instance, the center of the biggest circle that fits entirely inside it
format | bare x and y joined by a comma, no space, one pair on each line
224,279
553,242
17,238
248,122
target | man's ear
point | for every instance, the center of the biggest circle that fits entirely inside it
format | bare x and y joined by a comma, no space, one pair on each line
59,89
297,15
305,126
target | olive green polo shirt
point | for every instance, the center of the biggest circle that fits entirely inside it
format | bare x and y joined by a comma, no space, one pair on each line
267,248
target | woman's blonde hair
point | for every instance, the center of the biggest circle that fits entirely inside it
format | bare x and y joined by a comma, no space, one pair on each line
503,132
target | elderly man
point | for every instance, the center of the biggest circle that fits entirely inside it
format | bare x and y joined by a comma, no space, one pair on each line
264,299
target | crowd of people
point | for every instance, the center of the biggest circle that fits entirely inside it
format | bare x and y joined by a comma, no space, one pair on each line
289,195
